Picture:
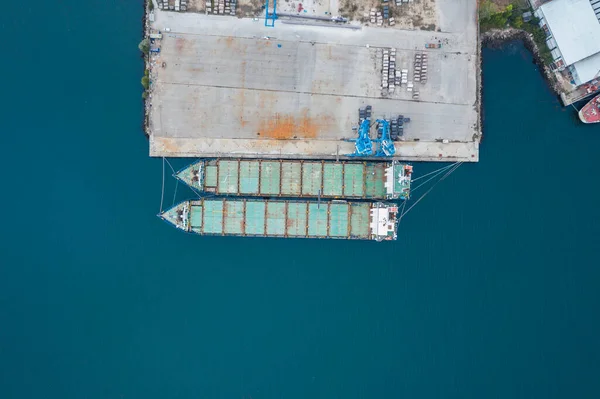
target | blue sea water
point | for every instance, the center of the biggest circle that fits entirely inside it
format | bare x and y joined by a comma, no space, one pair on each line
491,290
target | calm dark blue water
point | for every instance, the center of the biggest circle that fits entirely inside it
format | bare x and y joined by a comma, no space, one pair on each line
490,292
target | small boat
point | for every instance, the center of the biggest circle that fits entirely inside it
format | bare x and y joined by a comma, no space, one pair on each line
590,113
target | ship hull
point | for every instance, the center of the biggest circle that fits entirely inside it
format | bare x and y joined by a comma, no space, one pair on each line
590,113
584,120
285,219
299,179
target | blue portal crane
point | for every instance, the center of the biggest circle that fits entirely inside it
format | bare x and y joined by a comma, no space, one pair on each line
363,144
270,17
386,145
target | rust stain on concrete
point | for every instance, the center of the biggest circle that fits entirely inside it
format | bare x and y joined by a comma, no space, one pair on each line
179,44
286,127
168,144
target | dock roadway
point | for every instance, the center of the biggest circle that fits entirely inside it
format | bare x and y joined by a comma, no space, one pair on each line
231,87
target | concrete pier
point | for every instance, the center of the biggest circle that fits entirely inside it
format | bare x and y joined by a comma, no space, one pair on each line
223,86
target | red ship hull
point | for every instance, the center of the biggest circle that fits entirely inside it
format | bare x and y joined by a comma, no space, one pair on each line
590,113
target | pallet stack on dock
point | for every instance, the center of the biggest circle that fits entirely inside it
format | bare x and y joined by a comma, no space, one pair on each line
386,10
221,7
376,17
178,5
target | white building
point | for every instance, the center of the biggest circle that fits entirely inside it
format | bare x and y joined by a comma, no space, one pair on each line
573,29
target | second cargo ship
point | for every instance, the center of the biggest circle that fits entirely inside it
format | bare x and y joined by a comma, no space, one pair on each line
299,178
290,219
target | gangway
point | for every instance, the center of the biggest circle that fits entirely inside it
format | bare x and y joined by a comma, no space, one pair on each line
270,17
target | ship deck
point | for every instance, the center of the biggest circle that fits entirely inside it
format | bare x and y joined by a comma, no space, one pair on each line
294,178
590,113
274,218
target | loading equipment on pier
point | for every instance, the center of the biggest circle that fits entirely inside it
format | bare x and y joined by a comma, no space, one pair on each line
386,145
363,144
270,17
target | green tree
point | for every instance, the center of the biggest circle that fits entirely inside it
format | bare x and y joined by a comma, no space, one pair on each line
150,5
144,46
517,22
487,8
146,82
145,94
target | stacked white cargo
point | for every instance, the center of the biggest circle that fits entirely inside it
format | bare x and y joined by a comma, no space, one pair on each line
379,18
421,68
418,75
392,70
220,6
424,68
388,69
385,68
417,66
373,15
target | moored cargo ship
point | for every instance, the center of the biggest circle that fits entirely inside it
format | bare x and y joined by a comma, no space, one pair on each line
299,178
291,219
590,113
